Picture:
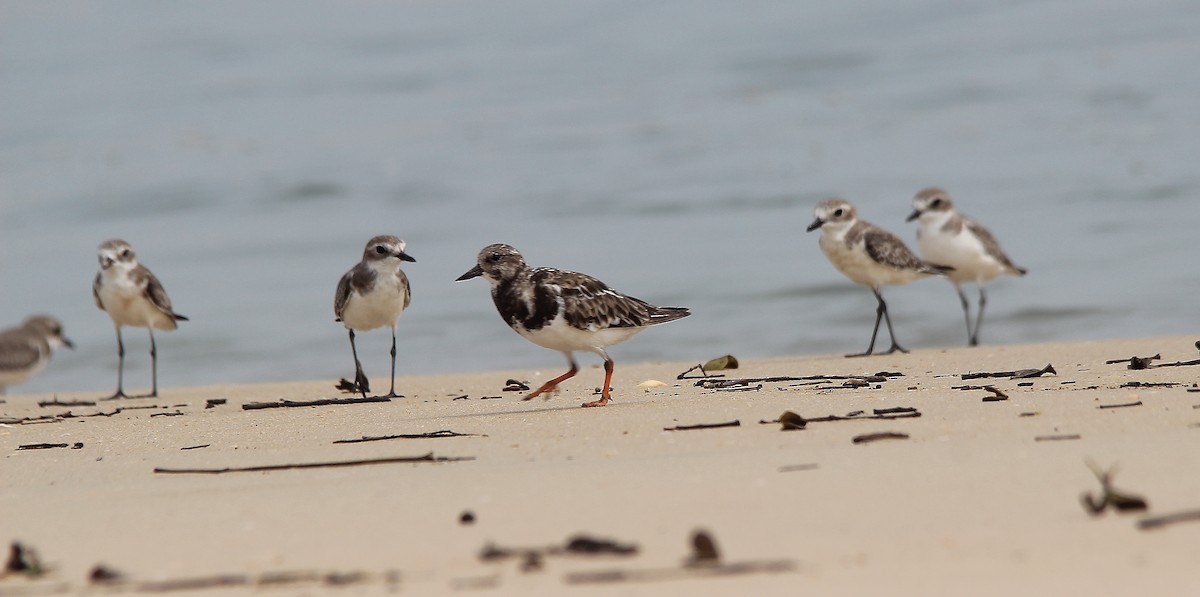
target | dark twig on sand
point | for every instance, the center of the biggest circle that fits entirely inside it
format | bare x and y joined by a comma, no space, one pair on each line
997,394
792,421
532,557
704,426
714,383
882,435
1109,497
430,435
1018,374
1179,364
75,446
335,464
322,402
1136,362
514,385
1158,522
1121,405
57,402
700,368
1058,438
704,561
1151,384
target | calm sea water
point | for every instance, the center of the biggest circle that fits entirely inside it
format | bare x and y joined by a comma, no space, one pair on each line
674,149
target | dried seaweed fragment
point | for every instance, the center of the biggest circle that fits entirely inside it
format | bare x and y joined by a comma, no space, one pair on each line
1110,497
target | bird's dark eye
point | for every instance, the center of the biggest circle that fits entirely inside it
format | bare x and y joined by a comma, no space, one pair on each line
494,258
935,203
380,250
837,213
126,254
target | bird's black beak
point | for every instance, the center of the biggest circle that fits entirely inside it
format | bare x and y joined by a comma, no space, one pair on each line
817,223
914,215
67,342
474,272
405,256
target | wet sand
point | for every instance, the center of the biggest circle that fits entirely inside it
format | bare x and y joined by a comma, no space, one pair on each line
982,497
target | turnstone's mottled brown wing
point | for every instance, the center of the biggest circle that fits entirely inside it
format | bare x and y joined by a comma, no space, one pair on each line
342,295
886,249
588,303
17,351
96,291
404,284
155,292
991,246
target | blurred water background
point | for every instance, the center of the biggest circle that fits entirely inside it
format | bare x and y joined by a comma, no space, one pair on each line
674,149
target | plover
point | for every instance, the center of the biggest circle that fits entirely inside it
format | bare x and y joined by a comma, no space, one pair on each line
132,296
948,237
25,350
564,311
372,295
869,256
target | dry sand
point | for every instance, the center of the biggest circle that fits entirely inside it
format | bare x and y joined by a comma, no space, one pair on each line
971,503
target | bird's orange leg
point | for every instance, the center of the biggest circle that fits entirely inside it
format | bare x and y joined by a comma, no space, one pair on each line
552,385
604,395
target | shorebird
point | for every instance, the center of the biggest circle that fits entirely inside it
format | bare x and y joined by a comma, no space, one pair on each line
132,296
868,255
372,295
564,311
25,350
951,238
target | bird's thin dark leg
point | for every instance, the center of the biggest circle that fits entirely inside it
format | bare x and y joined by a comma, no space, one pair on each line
888,318
966,306
551,385
153,366
604,394
120,393
392,393
979,316
360,379
880,310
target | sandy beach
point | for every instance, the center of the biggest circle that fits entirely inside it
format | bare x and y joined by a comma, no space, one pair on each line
975,491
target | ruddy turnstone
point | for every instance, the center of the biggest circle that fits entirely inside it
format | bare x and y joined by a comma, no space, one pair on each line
372,295
564,311
869,256
948,237
25,350
132,296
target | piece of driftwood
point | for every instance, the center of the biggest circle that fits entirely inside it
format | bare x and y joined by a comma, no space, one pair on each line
882,435
322,402
430,435
791,421
718,383
1121,405
1158,522
57,402
683,572
334,464
75,446
1018,374
704,426
1110,497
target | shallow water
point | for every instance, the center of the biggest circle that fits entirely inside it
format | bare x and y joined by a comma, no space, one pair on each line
673,149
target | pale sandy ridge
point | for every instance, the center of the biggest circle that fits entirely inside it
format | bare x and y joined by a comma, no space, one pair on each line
971,503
